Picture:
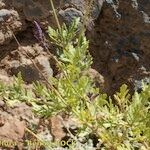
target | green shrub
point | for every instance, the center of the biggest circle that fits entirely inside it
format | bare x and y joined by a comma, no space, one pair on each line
119,123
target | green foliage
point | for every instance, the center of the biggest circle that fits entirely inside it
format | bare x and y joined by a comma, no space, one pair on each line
120,123
15,93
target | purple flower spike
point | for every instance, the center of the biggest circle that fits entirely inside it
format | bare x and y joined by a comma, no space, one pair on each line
39,35
38,32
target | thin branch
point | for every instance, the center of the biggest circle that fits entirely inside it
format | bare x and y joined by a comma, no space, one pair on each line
55,15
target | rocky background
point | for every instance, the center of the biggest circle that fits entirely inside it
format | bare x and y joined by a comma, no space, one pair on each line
119,34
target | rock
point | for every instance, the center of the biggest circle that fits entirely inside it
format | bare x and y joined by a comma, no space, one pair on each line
14,64
4,78
97,6
144,5
2,103
2,121
82,4
97,78
24,112
69,14
135,56
127,37
4,13
78,4
31,51
78,8
44,65
5,35
11,19
12,129
138,83
146,17
18,3
29,73
2,4
2,38
45,135
34,10
57,128
58,125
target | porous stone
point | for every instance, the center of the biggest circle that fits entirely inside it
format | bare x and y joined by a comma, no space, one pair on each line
127,41
44,65
69,14
11,128
4,13
138,83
